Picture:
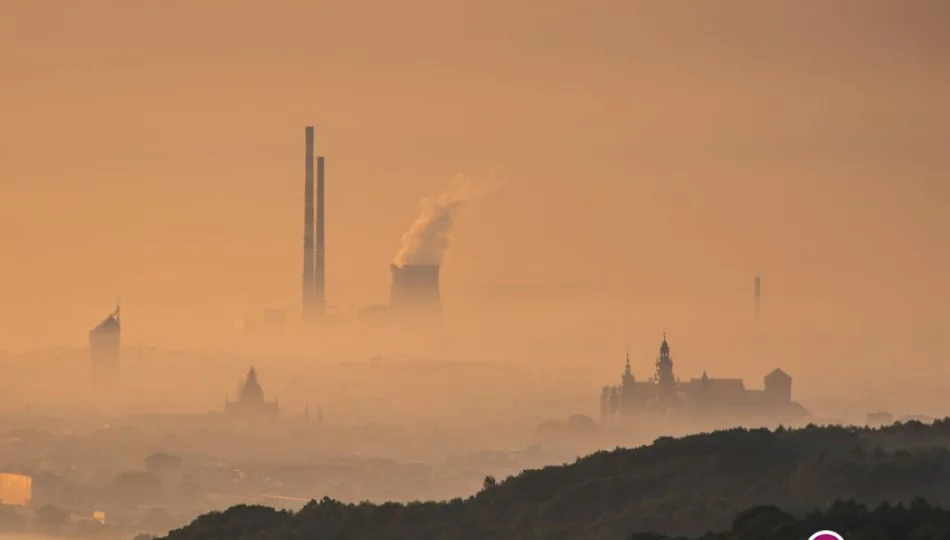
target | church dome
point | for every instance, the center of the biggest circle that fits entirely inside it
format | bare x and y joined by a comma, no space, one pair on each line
251,391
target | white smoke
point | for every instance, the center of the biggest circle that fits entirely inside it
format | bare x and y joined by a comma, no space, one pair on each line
428,237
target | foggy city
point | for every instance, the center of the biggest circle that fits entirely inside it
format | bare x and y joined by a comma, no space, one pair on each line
563,269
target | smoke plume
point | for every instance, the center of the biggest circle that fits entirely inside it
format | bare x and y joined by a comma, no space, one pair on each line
428,237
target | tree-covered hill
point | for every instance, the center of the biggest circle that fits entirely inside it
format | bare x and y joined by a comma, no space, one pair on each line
916,521
682,486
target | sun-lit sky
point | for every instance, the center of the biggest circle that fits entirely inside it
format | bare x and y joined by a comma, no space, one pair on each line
657,155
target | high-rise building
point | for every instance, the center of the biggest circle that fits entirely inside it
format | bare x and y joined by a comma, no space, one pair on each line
105,345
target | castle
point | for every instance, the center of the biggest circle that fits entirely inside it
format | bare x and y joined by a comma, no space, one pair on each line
664,394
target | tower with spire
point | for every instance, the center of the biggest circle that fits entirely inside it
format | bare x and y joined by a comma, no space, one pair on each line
663,379
627,380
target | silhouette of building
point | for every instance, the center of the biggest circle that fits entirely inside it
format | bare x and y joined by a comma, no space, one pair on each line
105,344
250,401
664,394
881,418
778,387
15,489
415,289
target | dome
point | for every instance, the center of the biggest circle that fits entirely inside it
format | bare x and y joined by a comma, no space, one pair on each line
251,391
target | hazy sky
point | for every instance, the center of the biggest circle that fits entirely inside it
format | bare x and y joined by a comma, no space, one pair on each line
659,154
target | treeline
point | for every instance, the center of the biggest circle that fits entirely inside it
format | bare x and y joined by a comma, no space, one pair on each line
680,487
916,521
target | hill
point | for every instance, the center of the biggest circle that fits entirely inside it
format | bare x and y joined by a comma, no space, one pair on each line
681,487
917,521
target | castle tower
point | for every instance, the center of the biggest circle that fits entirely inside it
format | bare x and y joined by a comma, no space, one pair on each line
778,387
663,379
627,380
627,389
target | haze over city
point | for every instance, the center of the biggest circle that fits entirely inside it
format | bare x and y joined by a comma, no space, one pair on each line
591,179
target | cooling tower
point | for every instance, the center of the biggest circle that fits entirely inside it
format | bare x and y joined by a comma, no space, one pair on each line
415,287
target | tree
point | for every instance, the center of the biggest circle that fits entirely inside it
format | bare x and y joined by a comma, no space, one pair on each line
51,517
761,522
158,520
489,482
10,520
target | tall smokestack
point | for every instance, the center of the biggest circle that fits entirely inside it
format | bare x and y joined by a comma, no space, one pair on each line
320,281
308,275
758,301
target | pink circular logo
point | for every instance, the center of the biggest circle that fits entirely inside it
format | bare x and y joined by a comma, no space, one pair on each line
825,535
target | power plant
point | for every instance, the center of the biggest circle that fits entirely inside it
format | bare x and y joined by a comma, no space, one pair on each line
415,289
314,277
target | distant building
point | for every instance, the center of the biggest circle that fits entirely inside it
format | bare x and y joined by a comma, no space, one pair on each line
880,418
105,344
16,489
664,394
250,402
165,467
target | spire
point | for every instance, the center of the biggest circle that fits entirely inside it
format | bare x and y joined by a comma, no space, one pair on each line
627,373
664,366
251,391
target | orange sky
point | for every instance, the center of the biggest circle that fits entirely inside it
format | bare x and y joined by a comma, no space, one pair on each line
658,154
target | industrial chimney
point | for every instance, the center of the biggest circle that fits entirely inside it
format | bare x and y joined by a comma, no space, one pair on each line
308,256
320,281
758,301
